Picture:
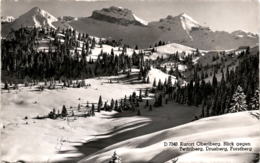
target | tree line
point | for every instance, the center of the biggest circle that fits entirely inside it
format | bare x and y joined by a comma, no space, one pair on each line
21,59
237,87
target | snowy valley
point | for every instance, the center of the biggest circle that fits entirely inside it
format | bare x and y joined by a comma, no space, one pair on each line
113,88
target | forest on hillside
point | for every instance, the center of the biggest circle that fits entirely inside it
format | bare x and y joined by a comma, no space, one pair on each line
66,59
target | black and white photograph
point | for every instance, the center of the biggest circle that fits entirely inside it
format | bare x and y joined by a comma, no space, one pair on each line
130,81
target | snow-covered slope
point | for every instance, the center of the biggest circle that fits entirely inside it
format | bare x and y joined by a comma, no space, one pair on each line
173,48
180,26
188,23
169,49
161,51
107,49
240,33
185,30
236,127
156,74
35,17
129,33
61,24
40,140
140,20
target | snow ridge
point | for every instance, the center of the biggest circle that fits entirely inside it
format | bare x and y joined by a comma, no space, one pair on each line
140,20
241,33
36,17
188,23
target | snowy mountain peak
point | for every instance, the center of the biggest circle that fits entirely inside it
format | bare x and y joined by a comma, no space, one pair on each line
188,23
117,15
140,20
117,8
184,15
35,9
181,25
241,33
35,17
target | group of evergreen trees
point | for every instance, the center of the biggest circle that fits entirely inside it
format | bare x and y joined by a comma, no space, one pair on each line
236,91
21,57
130,103
71,113
53,114
218,96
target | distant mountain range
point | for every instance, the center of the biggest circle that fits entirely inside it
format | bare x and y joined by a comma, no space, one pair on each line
120,23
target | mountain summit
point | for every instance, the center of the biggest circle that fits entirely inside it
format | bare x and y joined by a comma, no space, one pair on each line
178,27
122,24
188,23
35,17
117,15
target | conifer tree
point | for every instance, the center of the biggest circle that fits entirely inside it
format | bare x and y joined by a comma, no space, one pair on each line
115,158
79,106
105,106
159,86
93,110
100,103
64,112
238,102
112,103
93,43
140,95
254,101
116,106
154,83
214,81
169,81
6,85
148,80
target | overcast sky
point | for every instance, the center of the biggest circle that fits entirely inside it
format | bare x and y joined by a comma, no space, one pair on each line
228,15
